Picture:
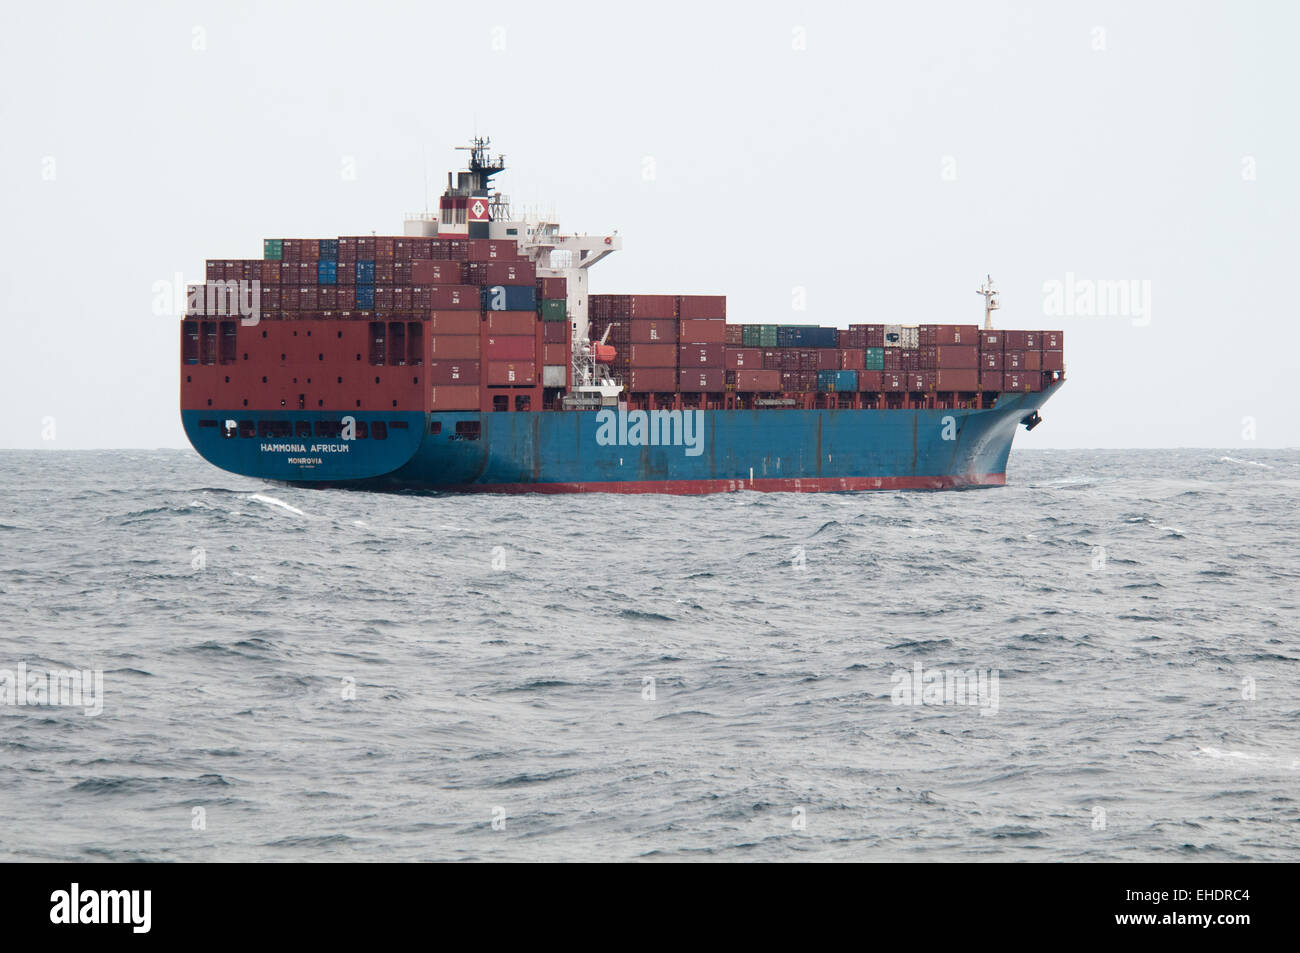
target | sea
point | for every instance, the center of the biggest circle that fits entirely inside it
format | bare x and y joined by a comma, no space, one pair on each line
1097,662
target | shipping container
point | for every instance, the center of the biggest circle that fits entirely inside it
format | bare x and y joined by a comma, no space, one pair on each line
990,340
1053,340
1013,340
955,357
743,358
454,322
958,379
893,381
510,347
946,335
511,373
653,331
700,355
829,382
552,288
1053,360
758,381
454,346
874,359
1033,359
443,372
501,273
427,272
454,297
652,355
704,379
759,335
1012,360
555,333
555,375
991,360
852,358
703,331
801,335
555,309
272,248
652,306
893,335
652,379
511,322
555,353
702,306
871,381
365,272
458,397
493,249
509,297
735,336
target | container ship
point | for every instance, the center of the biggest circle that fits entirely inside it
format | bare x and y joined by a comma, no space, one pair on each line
468,354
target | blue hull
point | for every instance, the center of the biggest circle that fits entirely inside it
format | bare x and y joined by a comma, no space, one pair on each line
596,451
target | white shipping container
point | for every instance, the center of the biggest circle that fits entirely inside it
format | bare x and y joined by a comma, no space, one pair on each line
894,335
554,375
911,336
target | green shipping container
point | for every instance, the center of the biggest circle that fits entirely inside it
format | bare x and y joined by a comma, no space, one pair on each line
875,359
272,249
759,335
554,309
749,335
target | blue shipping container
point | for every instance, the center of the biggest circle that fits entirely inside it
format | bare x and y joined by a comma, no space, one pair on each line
365,297
509,298
801,336
328,250
837,381
366,272
327,272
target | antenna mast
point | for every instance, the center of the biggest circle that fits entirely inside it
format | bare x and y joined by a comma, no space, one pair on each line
990,294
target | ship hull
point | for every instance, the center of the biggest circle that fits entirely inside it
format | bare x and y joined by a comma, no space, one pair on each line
778,450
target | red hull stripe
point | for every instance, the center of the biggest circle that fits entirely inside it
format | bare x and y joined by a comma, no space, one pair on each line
691,487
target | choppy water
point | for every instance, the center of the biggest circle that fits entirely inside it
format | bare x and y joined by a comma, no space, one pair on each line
499,648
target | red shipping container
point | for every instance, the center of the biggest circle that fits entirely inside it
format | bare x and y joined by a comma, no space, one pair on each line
870,381
701,355
893,381
746,358
703,306
552,288
656,379
916,380
651,306
555,353
957,356
703,331
855,337
958,379
652,355
990,340
454,372
453,346
426,272
1013,340
735,335
758,381
991,360
828,359
449,297
500,273
460,397
772,359
385,273
555,332
1033,340
1012,360
1018,381
1053,360
492,249
654,331
1053,340
454,322
703,379
1033,360
991,380
511,373
510,347
852,359
511,322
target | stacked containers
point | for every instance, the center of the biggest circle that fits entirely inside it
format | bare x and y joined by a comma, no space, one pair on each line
703,336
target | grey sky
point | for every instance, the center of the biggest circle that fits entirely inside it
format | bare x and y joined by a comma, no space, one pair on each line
883,157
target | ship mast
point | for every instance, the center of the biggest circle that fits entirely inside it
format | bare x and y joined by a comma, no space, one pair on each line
990,294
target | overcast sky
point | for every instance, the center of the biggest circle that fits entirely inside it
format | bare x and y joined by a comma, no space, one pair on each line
881,157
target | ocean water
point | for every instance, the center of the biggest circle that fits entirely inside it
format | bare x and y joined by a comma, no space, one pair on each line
293,674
